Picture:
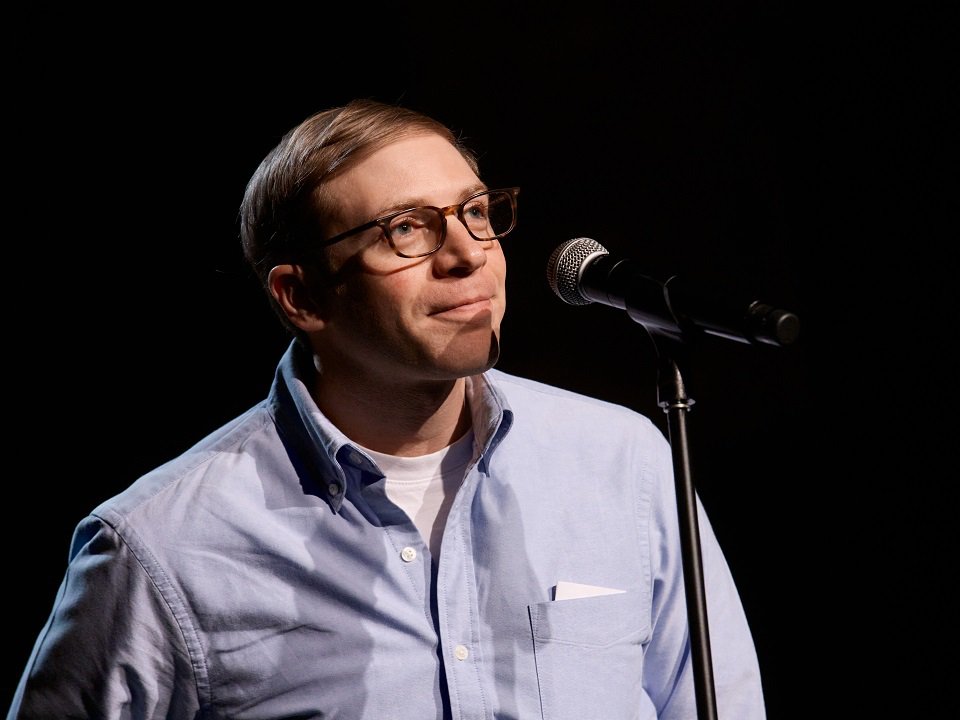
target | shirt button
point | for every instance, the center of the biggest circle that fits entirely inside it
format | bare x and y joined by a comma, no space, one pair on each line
333,489
460,652
408,554
356,458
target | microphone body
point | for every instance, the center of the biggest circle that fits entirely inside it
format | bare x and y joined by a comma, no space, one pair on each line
581,271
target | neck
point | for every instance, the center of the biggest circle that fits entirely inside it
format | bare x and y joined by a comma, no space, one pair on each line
397,420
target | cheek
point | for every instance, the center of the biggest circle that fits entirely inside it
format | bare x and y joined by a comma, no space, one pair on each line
384,299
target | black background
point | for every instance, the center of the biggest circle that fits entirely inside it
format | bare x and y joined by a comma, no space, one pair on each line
793,151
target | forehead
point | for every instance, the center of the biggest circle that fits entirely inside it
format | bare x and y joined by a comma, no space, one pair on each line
422,167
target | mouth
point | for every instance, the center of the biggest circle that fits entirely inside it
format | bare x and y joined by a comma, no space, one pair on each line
465,307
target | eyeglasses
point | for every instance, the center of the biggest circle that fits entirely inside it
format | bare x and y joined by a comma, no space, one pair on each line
420,231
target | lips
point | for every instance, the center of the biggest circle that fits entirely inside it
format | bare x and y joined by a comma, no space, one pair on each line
467,302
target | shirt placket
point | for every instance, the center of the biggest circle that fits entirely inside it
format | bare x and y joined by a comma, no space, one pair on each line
457,609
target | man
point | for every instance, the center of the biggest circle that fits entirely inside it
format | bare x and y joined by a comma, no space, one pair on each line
398,530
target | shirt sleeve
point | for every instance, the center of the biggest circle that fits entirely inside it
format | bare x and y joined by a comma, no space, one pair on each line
668,664
111,647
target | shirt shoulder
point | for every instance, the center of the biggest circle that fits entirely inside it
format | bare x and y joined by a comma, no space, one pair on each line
528,395
185,474
544,413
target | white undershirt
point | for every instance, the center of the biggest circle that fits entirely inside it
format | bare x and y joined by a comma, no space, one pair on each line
424,486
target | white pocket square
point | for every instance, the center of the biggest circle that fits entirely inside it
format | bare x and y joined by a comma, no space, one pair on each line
566,590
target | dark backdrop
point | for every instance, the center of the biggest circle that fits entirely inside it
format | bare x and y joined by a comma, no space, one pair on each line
787,151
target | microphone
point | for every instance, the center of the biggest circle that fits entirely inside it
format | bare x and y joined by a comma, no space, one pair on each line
581,271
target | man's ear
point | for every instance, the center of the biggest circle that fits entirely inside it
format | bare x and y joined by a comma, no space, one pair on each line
289,288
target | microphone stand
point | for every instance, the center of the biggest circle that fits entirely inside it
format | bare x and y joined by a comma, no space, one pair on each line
672,397
581,271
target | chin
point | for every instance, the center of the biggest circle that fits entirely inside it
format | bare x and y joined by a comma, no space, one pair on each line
463,359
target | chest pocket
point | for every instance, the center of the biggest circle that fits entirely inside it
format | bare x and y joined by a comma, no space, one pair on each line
589,656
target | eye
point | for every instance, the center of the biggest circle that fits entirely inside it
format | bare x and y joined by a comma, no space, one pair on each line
477,210
401,228
408,223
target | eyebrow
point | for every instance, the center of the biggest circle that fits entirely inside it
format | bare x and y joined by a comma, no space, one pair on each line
413,202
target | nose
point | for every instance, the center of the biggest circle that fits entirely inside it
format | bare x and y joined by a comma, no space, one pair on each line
460,253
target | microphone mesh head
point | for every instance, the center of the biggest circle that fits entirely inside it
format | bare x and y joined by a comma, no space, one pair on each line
565,265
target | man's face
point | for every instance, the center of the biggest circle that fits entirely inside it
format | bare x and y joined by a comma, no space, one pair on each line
410,320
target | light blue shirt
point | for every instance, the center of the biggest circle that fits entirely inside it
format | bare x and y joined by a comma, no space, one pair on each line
264,573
